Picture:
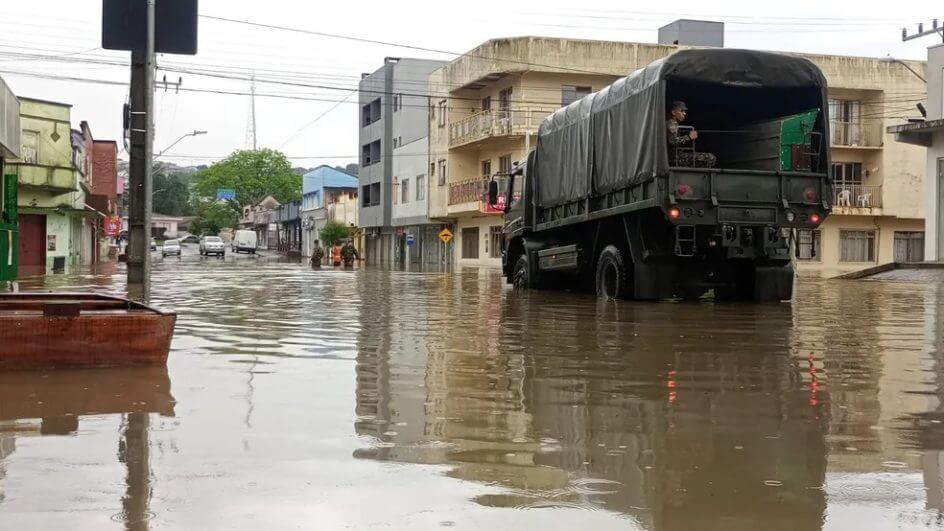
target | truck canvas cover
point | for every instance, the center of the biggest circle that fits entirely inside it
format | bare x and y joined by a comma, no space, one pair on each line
617,137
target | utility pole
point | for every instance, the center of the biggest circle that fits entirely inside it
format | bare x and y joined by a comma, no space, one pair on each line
935,28
251,126
141,144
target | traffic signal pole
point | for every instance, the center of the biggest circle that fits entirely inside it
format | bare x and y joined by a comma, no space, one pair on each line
141,140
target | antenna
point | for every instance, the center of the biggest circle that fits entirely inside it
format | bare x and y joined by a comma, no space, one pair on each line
251,120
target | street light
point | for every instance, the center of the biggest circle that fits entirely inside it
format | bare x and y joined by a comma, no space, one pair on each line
890,59
195,133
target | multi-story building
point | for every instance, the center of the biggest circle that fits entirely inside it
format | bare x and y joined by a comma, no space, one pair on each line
51,197
104,190
496,95
929,133
261,217
393,147
328,194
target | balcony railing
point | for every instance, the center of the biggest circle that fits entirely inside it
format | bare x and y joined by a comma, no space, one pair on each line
468,190
493,123
264,217
857,195
856,134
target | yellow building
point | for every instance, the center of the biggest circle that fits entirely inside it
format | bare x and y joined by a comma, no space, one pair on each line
488,103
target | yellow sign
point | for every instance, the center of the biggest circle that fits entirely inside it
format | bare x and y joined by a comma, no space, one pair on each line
445,235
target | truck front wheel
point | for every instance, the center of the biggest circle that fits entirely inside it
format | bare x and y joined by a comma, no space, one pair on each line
613,278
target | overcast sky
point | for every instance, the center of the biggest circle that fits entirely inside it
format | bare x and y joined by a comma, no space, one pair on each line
72,29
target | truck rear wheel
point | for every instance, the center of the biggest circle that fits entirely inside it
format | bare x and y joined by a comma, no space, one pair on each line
613,278
522,278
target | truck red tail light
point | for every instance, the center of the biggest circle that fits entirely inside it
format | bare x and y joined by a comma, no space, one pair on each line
683,190
675,213
815,218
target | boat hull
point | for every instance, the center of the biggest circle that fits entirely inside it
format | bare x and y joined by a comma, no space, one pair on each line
55,329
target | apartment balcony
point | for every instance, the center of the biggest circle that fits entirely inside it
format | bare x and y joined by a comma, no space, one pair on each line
495,123
57,180
851,199
856,135
265,217
469,197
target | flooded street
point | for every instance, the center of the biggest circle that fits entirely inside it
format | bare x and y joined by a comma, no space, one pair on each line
381,399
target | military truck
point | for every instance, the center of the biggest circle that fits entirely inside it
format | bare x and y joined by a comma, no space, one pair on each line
599,204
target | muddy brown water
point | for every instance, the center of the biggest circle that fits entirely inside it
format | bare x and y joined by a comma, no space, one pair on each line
409,400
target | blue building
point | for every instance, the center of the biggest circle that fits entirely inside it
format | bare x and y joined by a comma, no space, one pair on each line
327,193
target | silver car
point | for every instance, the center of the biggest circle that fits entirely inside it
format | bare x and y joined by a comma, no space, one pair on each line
171,247
212,245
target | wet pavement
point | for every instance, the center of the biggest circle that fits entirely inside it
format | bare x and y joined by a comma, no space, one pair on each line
405,400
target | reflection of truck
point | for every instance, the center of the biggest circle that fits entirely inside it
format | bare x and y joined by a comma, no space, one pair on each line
244,241
598,201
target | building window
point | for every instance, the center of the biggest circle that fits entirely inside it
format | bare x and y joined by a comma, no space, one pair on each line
570,94
442,113
432,169
487,168
396,102
420,187
848,173
365,115
405,191
442,172
504,163
396,187
470,243
29,147
504,100
909,246
808,244
857,246
487,103
494,241
375,194
845,119
365,195
370,153
370,113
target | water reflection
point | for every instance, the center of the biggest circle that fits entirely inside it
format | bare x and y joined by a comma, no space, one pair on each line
53,403
681,416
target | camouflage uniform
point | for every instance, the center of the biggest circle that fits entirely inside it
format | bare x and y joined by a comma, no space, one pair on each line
317,256
349,254
685,157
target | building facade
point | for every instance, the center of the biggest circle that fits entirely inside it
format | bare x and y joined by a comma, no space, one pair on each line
104,191
51,203
929,134
261,218
288,217
393,146
495,97
9,150
328,194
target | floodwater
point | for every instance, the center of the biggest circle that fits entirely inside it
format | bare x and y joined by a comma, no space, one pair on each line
296,399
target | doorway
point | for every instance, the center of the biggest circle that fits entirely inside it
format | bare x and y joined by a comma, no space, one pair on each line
32,240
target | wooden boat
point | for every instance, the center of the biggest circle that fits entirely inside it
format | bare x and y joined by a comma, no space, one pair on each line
81,329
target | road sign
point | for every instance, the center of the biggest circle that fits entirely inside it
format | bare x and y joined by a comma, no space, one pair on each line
124,26
223,194
409,240
445,235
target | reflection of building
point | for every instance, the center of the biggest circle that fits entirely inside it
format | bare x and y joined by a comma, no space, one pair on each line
630,409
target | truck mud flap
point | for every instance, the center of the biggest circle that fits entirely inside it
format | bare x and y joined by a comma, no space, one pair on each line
653,280
773,283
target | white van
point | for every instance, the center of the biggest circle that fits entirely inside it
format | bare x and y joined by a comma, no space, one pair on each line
244,240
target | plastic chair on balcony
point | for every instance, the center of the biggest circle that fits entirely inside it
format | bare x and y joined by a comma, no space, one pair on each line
844,198
864,199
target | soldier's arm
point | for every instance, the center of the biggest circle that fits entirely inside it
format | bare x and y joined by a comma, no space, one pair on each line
676,140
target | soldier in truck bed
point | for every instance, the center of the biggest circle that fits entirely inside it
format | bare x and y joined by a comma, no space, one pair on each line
680,152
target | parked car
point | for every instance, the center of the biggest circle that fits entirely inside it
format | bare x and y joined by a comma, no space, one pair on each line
212,245
171,247
244,241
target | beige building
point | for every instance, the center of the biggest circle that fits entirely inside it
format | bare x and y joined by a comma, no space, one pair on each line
488,103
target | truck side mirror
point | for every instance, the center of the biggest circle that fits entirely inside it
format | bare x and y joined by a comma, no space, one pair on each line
492,192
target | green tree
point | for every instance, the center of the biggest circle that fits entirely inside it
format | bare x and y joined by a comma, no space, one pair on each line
333,232
171,193
210,217
253,175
